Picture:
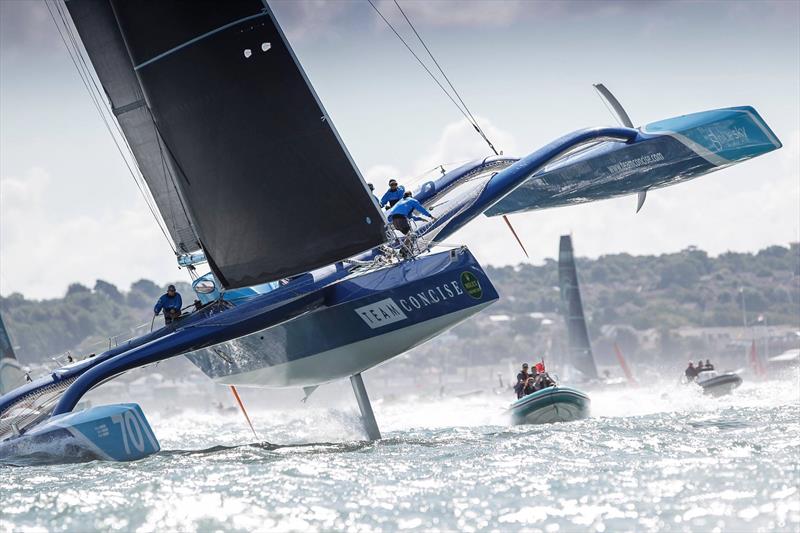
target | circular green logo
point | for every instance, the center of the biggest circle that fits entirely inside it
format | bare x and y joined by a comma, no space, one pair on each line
471,285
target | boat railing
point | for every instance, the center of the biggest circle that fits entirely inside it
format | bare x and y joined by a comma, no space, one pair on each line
70,357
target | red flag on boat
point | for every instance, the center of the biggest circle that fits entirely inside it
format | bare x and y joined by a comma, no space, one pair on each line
624,365
755,361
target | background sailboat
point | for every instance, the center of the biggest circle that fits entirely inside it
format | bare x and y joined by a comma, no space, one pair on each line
11,373
579,365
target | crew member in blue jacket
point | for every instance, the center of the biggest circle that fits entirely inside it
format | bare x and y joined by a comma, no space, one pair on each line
171,303
393,195
401,212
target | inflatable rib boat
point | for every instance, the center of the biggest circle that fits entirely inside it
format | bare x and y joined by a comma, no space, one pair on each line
553,404
718,384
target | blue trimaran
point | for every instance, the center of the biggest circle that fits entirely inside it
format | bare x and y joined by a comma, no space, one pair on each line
306,287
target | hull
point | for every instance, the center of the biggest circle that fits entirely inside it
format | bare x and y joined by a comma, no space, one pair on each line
721,385
365,320
110,432
664,153
553,404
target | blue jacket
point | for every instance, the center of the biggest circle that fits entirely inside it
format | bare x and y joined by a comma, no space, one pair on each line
396,194
404,208
168,302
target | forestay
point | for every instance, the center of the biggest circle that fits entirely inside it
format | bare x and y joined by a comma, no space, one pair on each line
267,184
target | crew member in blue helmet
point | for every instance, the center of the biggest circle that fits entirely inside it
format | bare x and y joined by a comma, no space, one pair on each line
171,303
401,212
393,195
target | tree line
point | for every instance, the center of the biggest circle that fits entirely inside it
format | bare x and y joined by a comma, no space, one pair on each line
686,288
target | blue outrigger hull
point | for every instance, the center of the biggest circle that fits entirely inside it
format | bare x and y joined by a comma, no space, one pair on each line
660,154
553,404
117,432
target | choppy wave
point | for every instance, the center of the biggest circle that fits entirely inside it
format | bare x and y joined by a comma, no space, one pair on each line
652,458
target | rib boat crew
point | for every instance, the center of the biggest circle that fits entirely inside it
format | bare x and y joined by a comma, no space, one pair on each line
542,401
236,151
711,381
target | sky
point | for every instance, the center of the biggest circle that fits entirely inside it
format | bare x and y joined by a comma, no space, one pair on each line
70,211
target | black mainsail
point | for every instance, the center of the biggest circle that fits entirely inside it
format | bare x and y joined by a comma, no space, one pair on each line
580,349
239,153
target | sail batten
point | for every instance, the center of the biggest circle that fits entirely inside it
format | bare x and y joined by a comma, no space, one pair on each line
198,38
240,155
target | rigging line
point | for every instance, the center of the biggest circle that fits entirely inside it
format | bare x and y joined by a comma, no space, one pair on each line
422,64
425,46
100,104
106,104
474,121
88,72
437,167
99,107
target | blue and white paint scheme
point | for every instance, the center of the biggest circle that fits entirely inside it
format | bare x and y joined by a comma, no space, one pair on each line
662,153
109,432
307,288
553,404
315,328
360,321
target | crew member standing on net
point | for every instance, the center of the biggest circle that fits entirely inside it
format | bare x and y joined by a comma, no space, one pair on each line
393,195
401,212
171,304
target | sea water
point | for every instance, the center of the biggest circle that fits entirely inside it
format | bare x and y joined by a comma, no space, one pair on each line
661,457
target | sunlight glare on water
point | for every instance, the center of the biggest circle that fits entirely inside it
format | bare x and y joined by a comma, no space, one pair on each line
652,458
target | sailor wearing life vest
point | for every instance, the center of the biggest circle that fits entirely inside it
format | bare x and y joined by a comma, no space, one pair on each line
171,303
401,212
393,195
